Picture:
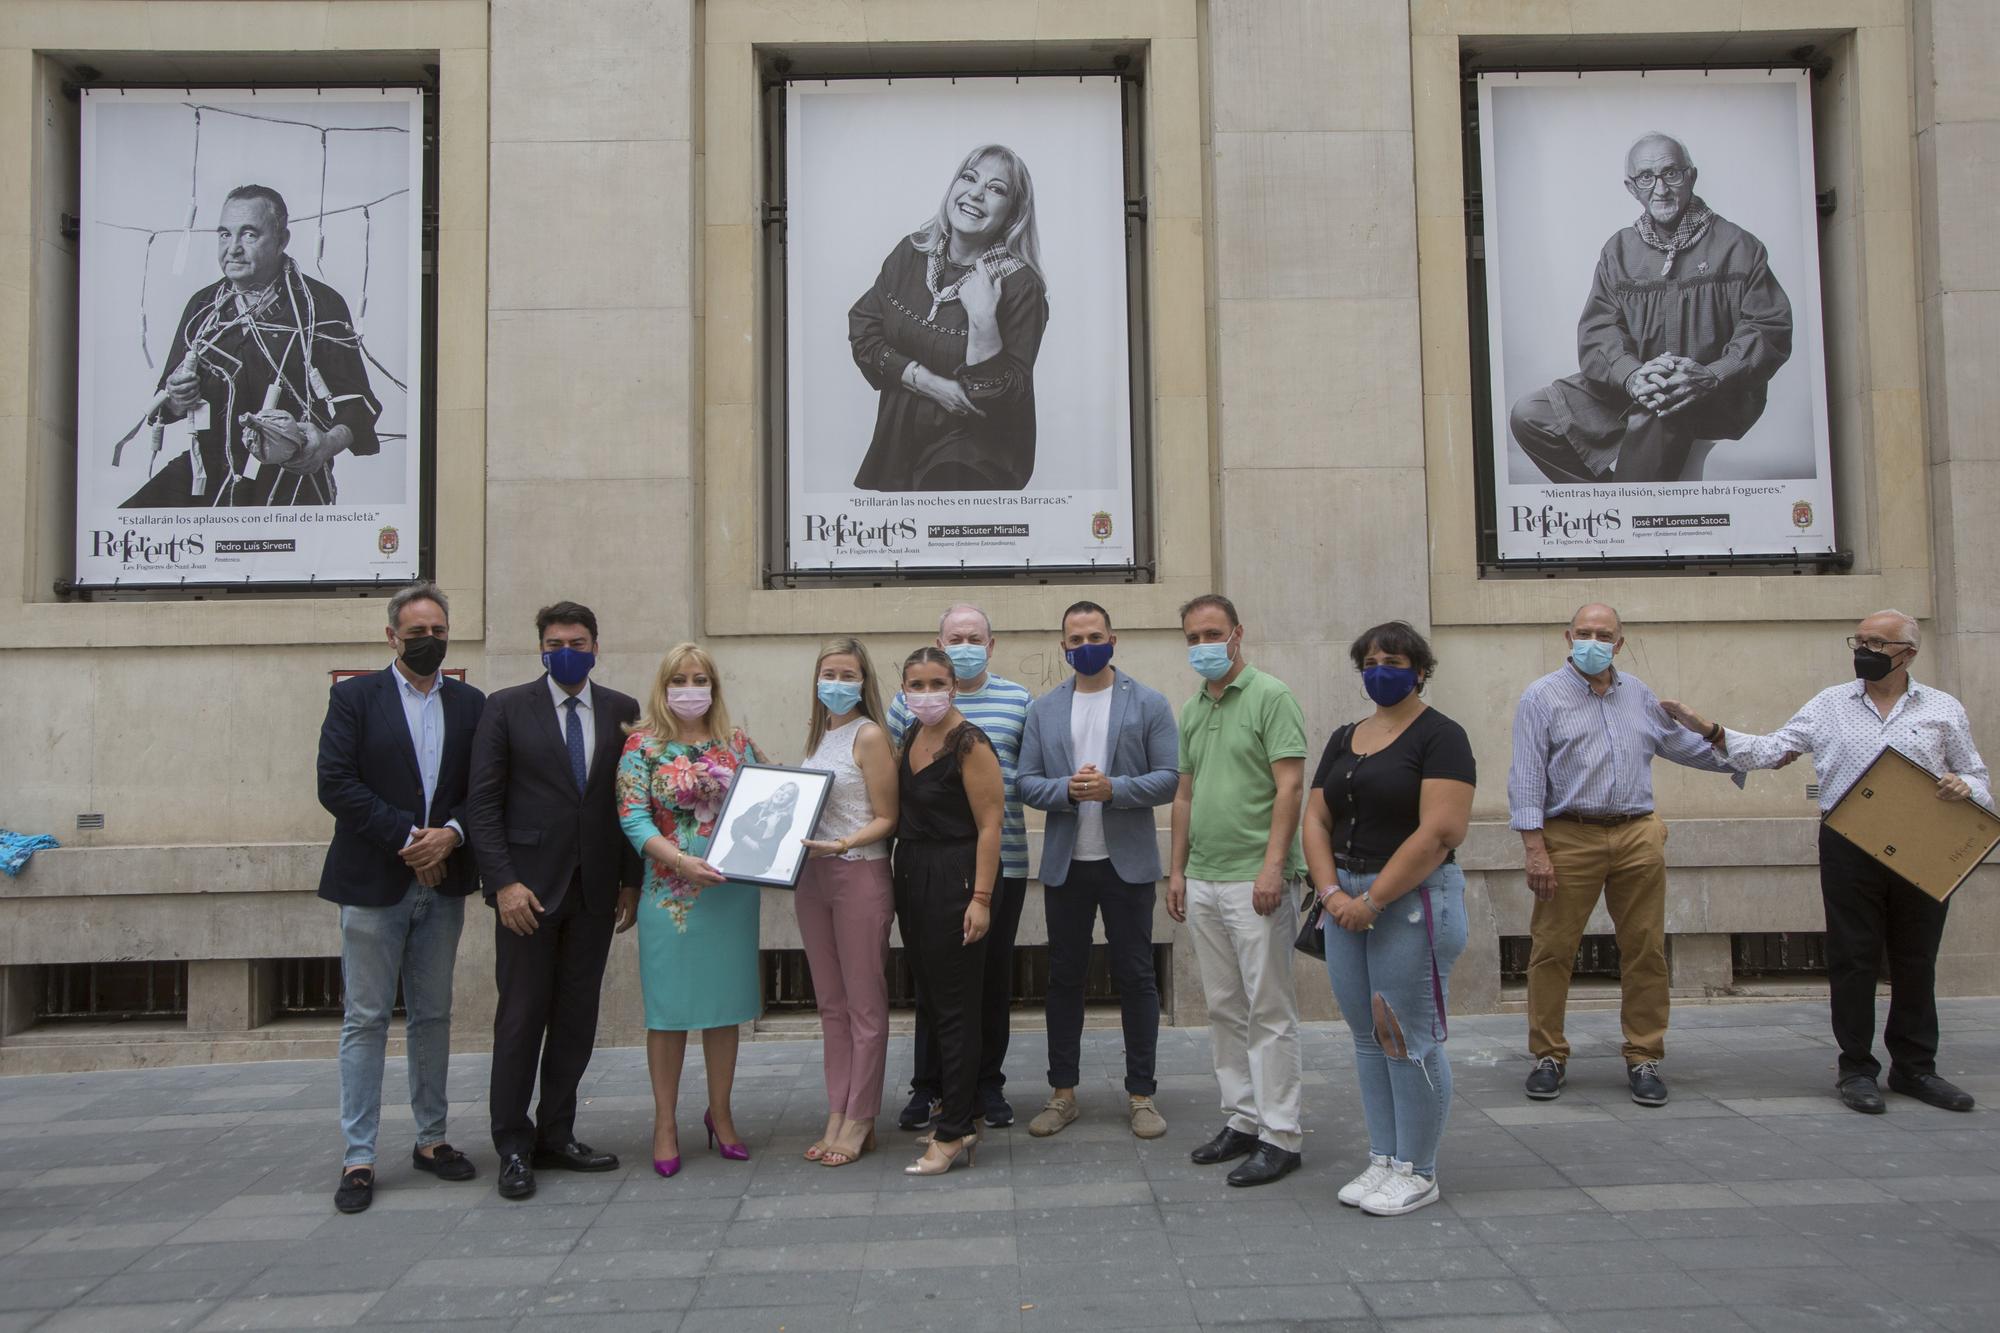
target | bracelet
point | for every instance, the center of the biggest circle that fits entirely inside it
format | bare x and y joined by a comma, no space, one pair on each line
987,901
1327,892
1714,732
1368,903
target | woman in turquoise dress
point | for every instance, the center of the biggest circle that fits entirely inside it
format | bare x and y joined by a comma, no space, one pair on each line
697,930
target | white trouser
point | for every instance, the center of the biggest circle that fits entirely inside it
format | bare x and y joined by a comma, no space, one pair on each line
1253,1014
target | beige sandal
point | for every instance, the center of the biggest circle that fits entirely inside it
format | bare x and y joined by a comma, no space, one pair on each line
841,1157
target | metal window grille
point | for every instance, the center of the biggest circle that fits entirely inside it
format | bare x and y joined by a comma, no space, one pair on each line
110,992
1779,954
1596,956
788,980
313,988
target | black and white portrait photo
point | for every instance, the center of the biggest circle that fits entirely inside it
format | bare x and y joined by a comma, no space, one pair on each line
958,376
769,812
249,333
948,334
1653,312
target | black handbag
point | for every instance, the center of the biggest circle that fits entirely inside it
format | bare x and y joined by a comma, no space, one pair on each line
1311,940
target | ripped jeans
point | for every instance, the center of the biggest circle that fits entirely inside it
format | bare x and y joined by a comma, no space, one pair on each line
1405,1100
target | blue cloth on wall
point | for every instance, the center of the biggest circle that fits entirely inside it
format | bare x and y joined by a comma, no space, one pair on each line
16,848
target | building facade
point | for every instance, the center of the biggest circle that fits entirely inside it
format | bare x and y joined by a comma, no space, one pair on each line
1309,366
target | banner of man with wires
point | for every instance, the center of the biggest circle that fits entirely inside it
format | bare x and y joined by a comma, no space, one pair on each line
249,336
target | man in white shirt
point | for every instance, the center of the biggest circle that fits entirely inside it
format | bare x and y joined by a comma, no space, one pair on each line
1868,907
1100,753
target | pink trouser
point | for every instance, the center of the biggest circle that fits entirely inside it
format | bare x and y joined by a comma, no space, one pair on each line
844,912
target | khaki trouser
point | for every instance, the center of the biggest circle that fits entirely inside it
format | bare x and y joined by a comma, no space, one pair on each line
1253,1013
1628,863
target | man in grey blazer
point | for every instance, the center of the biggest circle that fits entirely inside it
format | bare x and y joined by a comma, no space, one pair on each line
1098,753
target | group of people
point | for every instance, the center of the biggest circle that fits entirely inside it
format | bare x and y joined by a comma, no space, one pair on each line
583,813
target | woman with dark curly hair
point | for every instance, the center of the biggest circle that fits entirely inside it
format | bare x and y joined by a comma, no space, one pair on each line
1389,803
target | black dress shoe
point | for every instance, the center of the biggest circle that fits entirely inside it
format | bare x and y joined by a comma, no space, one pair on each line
1267,1164
1859,1093
574,1156
921,1111
1230,1144
1931,1089
517,1178
357,1190
445,1162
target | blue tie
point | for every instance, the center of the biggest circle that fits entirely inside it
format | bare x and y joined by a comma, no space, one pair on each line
574,731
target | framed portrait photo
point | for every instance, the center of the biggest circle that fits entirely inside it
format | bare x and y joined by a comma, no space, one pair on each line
769,812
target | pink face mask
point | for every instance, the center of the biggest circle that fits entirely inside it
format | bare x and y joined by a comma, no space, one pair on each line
689,702
929,708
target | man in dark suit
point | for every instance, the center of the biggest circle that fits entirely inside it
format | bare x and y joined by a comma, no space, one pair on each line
563,878
394,754
1100,754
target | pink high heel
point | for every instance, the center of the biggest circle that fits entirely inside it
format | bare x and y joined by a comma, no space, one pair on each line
667,1167
731,1152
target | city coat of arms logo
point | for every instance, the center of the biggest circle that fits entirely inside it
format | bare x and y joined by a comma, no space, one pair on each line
1801,513
388,541
1100,526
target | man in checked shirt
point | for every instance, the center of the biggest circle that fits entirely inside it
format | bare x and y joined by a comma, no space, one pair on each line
1869,907
1580,793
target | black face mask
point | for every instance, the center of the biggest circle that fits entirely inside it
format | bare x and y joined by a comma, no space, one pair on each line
423,656
1871,665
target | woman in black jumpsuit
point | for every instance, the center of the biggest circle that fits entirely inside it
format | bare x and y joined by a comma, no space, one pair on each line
950,795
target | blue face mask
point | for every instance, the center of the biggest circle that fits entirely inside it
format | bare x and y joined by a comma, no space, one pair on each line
1388,685
1590,656
1209,660
569,666
839,696
1087,659
967,659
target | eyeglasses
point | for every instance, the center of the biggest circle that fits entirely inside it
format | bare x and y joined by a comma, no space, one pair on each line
1672,176
1874,645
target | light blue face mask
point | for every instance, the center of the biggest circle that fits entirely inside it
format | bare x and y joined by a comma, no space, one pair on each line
1210,660
1591,656
839,696
967,659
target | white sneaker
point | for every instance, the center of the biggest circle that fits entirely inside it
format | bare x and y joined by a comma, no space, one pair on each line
1403,1192
1365,1184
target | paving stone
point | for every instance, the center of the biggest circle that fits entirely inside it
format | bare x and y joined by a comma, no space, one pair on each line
176,1198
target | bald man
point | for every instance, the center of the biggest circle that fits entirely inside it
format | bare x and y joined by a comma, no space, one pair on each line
1580,793
1684,328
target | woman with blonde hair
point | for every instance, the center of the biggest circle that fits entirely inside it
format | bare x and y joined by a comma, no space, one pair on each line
844,899
948,335
697,930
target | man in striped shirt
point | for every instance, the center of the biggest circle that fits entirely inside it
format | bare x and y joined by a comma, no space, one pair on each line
998,707
1580,793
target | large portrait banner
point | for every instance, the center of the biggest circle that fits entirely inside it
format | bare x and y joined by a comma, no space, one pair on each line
958,377
249,358
1653,309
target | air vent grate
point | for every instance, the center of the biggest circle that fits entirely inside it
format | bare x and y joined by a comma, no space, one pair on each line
90,821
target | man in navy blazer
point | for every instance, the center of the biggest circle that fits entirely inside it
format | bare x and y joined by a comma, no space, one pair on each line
1099,753
562,878
394,759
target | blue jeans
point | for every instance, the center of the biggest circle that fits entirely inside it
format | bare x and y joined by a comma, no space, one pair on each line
1405,1101
414,941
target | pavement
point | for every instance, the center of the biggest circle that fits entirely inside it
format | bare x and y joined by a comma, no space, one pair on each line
200,1198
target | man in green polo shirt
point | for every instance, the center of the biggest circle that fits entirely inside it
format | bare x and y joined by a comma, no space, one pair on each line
1235,878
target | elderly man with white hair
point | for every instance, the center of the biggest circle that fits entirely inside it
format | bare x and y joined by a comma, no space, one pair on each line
1682,331
1869,907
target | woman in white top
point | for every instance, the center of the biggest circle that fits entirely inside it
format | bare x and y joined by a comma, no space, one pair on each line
844,898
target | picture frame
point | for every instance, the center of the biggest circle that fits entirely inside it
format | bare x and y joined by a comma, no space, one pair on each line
759,835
